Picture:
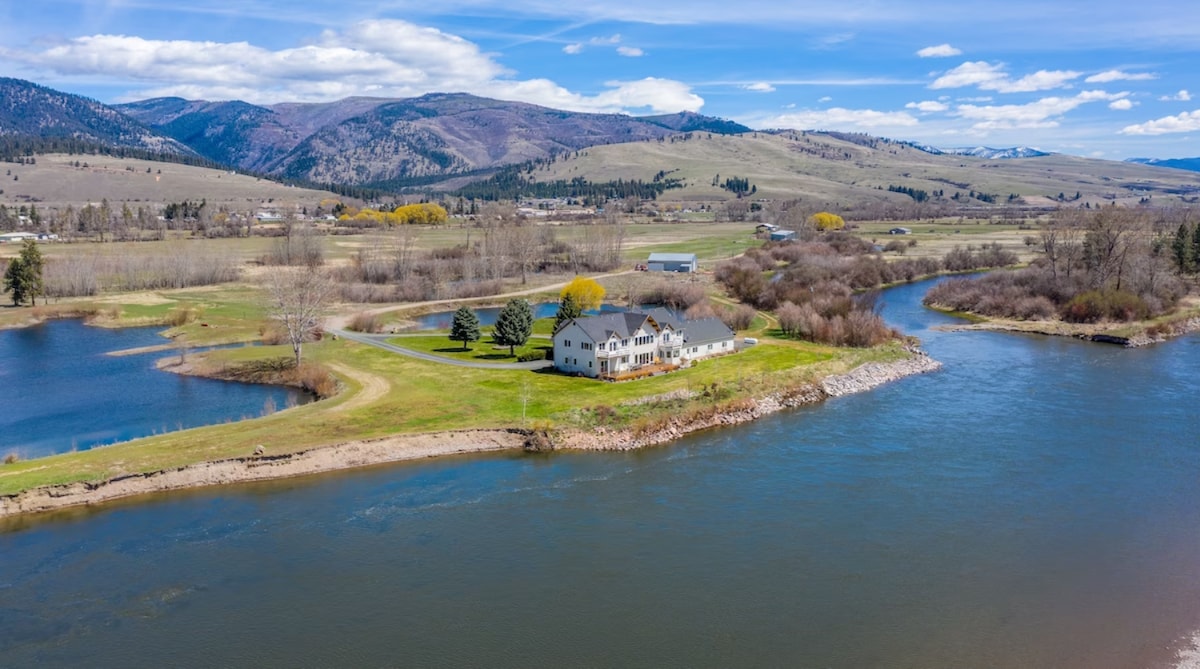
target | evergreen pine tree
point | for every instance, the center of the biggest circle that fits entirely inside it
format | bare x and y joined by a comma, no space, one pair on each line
465,327
1182,249
568,308
24,274
514,325
1195,248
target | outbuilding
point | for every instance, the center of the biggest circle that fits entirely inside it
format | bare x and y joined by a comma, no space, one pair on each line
672,262
783,235
13,237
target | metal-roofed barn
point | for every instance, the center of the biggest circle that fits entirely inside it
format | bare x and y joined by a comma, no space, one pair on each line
672,262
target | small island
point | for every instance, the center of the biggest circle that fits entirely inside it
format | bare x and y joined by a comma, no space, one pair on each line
1112,275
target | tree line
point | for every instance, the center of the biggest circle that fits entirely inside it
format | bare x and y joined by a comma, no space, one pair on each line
511,184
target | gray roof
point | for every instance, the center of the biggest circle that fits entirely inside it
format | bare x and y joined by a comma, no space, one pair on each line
672,257
600,328
705,331
664,316
624,323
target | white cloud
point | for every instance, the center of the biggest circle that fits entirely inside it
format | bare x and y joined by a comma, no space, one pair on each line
971,73
601,41
824,99
389,58
1184,122
760,87
1043,113
837,117
992,77
1124,104
1119,75
573,49
630,51
1181,96
928,106
939,51
834,40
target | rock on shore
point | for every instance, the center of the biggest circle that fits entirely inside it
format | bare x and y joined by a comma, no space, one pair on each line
860,379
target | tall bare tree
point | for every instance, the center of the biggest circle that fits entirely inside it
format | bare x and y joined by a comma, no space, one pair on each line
299,296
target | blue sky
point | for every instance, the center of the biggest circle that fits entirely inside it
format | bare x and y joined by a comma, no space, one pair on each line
1103,79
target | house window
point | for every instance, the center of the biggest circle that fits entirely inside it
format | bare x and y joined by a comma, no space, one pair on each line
567,343
624,342
589,364
710,347
601,346
585,346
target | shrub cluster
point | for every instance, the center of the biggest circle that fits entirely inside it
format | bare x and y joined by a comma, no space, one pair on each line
180,267
365,321
1038,293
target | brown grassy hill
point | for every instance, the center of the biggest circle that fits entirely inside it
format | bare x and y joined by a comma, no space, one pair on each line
830,170
55,181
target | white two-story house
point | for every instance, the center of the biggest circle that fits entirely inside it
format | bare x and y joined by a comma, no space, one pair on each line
615,343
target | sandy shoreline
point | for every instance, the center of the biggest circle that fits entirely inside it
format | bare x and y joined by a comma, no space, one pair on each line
364,453
263,468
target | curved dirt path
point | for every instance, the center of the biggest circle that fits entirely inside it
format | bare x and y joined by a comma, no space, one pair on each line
374,387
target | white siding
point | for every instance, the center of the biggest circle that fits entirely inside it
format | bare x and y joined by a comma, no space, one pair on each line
569,356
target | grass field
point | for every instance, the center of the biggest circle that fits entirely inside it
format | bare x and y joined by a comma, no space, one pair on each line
425,396
819,168
480,351
55,181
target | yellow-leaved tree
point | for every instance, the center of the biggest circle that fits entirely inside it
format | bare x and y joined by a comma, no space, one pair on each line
827,221
586,292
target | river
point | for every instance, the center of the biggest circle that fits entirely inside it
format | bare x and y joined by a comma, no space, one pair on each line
1034,504
62,393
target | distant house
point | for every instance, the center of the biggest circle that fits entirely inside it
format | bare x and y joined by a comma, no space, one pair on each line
14,237
899,231
672,262
268,217
766,227
782,235
611,344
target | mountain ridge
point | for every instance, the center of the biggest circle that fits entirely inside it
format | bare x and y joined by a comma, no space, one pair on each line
32,110
363,140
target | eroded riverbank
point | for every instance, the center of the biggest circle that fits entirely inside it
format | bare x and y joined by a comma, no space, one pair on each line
354,454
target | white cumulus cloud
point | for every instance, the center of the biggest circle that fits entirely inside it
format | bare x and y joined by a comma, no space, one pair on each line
573,49
1120,75
993,77
1184,122
1124,104
1181,96
630,51
928,106
838,117
387,58
939,51
1044,113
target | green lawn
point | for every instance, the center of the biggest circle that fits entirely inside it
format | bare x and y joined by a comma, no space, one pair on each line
480,351
425,396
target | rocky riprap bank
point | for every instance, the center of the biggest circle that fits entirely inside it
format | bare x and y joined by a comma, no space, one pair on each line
262,465
860,379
